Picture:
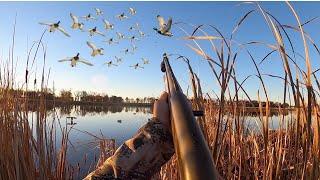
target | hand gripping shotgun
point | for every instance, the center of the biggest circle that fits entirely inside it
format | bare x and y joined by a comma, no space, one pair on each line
194,158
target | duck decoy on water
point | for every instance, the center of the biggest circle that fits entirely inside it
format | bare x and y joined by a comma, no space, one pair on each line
76,59
55,26
71,120
164,28
95,50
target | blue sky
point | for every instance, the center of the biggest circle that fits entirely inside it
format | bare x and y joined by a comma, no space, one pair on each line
125,81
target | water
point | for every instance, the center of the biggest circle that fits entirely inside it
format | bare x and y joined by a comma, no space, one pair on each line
118,123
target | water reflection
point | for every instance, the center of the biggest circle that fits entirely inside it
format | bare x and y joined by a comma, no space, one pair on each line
119,123
83,110
90,124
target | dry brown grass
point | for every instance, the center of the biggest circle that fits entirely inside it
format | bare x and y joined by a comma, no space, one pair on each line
290,152
28,143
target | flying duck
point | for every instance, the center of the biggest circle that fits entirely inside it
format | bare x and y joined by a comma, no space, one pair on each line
118,59
55,26
111,41
145,61
134,47
132,11
94,31
76,59
75,22
141,33
120,36
89,17
109,63
136,66
95,50
122,16
164,28
133,38
107,24
137,25
98,11
126,51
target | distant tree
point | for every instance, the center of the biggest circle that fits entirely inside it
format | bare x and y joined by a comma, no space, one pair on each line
66,95
127,99
106,99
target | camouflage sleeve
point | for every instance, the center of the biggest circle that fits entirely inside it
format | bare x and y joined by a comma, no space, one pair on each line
139,157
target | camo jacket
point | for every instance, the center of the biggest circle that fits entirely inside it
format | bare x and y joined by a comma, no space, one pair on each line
139,157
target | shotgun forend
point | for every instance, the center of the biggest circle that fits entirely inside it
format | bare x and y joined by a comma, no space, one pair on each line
194,157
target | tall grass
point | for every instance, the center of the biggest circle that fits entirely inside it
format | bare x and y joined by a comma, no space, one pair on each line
29,143
28,140
289,152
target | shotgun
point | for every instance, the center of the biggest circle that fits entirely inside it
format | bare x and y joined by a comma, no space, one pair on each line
194,158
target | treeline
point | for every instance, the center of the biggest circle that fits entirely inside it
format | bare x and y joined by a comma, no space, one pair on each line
92,98
79,97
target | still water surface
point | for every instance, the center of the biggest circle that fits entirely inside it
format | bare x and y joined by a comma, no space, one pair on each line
118,123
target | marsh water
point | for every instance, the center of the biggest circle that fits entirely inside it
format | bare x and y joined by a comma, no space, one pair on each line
93,122
109,122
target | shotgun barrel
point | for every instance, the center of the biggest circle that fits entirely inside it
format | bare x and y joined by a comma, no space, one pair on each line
194,158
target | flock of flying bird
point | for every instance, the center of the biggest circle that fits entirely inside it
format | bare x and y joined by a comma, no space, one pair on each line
163,29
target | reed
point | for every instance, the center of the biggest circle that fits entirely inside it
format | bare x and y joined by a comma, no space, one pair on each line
29,143
28,139
292,150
